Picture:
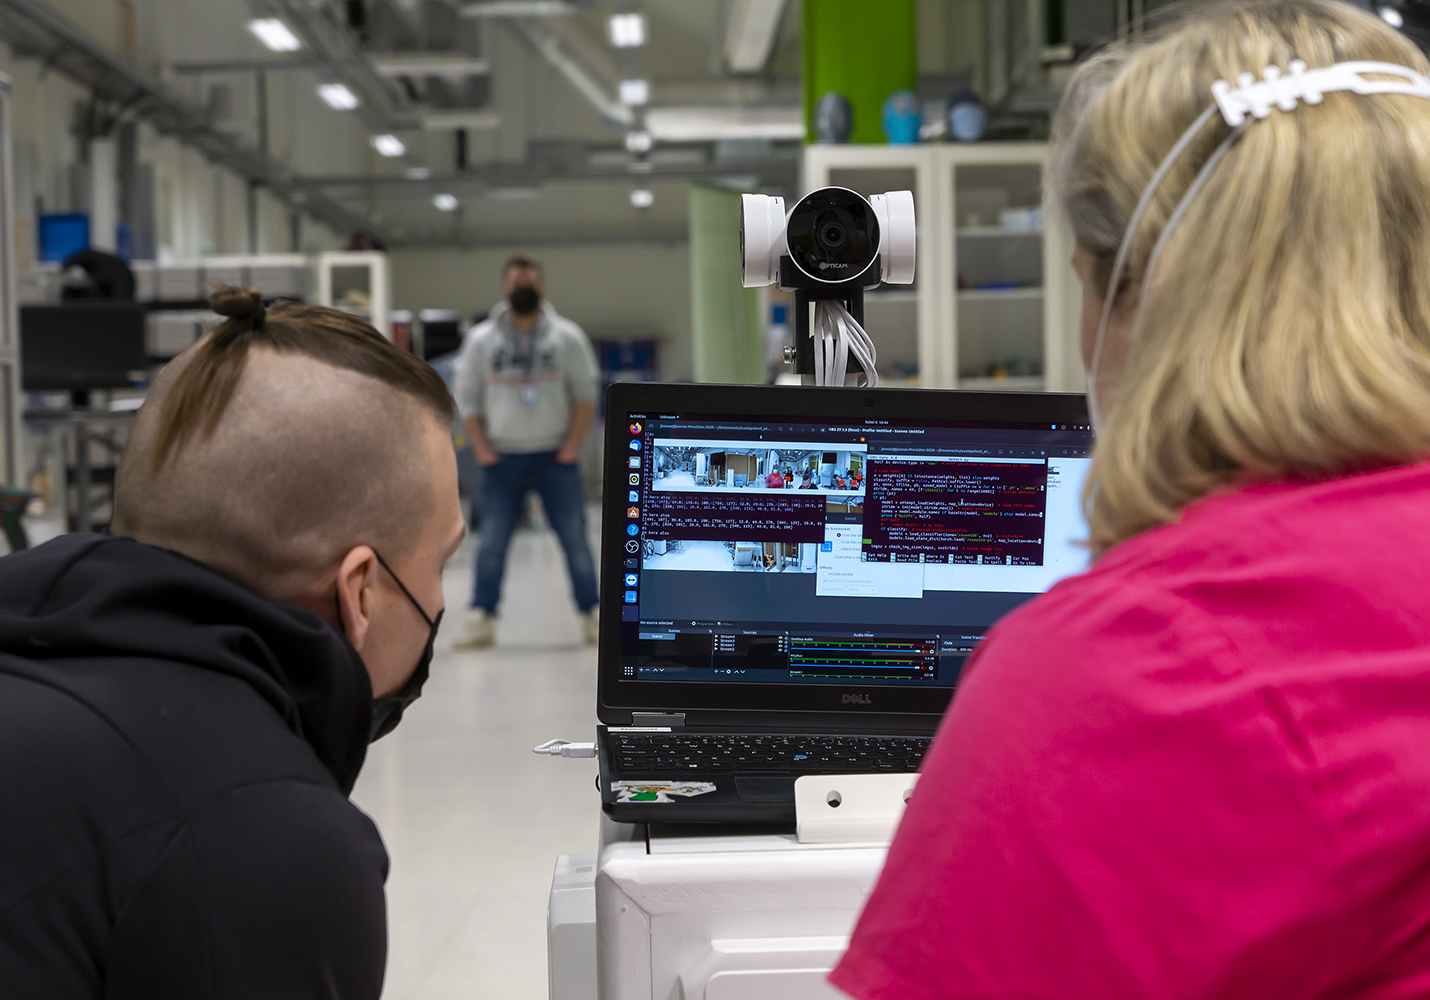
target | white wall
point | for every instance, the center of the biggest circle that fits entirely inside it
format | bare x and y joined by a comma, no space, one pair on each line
613,290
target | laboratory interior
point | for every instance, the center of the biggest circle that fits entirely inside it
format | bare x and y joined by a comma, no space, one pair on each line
906,499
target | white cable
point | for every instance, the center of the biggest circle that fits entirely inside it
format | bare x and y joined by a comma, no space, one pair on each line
837,334
817,335
565,748
1120,261
861,344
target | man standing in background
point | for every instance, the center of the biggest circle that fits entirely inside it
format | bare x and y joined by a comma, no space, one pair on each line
526,388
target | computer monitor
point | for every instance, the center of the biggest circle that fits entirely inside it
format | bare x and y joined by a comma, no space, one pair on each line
63,234
82,345
798,538
441,332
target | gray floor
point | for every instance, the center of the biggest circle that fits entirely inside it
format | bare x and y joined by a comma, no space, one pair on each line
473,820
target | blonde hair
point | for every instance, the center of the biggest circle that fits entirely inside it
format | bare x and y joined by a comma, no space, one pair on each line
1286,331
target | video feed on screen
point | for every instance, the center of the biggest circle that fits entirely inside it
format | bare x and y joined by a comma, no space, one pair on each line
732,465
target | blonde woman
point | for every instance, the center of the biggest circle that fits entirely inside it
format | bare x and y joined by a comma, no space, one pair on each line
1202,769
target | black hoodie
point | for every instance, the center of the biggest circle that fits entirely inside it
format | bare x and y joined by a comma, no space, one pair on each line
175,758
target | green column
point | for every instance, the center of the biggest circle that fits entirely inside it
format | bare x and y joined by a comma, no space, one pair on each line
865,50
726,326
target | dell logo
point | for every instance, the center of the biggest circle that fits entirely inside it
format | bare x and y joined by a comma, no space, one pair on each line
855,699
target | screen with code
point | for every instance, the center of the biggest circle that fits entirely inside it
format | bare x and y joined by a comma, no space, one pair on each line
956,511
725,517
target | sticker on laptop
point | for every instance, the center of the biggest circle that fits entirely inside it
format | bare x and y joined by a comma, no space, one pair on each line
659,791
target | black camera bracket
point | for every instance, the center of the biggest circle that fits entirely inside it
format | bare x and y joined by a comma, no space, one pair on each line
807,291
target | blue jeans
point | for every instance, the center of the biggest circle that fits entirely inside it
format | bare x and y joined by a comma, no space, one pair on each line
503,488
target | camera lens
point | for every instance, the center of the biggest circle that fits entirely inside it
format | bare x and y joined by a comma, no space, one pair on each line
833,235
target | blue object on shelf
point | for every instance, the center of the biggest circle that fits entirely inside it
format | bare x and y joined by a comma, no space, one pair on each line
967,120
62,235
901,117
124,241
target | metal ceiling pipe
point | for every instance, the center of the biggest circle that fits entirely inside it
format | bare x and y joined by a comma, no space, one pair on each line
334,46
544,43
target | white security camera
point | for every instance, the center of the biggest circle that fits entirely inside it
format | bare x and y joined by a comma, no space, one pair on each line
832,235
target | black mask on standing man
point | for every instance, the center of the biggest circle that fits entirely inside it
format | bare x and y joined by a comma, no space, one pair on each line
524,300
387,710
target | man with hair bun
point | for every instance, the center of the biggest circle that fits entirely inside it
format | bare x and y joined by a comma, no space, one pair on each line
185,706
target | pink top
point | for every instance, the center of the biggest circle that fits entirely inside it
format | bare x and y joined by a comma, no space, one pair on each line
1200,770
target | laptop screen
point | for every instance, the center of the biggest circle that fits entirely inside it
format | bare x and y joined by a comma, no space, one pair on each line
828,550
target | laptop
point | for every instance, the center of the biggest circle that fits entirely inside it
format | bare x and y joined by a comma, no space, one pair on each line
793,578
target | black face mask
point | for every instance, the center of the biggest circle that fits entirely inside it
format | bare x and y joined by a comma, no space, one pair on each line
524,300
387,710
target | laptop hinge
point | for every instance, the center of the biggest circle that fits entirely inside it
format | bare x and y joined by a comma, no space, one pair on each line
658,719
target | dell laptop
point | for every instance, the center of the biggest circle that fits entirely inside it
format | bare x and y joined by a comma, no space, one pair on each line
793,578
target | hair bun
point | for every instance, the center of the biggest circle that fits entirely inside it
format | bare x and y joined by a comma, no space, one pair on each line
237,303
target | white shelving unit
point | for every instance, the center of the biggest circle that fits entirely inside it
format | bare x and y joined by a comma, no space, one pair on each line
11,473
360,282
991,307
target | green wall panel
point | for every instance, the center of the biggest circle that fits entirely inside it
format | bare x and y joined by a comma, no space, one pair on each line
865,50
727,331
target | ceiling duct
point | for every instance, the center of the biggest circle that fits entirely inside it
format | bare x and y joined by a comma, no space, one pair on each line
338,49
541,40
750,35
447,65
33,29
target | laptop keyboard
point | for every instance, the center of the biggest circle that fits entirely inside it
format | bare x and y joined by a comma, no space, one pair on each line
798,754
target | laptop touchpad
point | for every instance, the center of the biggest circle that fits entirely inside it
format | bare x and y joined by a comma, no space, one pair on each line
780,789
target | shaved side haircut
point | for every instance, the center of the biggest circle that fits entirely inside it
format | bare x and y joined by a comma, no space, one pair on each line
279,442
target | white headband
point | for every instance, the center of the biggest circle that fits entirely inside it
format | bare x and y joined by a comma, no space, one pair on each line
1308,85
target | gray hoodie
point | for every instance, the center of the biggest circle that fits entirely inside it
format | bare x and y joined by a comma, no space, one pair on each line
523,386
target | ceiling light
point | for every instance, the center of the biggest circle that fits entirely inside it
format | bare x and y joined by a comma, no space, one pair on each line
642,198
445,202
1392,17
338,96
635,92
275,34
418,173
638,142
519,8
449,65
707,124
627,30
388,145
442,120
514,193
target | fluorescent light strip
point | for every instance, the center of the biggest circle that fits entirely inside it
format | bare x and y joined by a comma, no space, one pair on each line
635,92
627,31
337,96
519,8
274,34
388,145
